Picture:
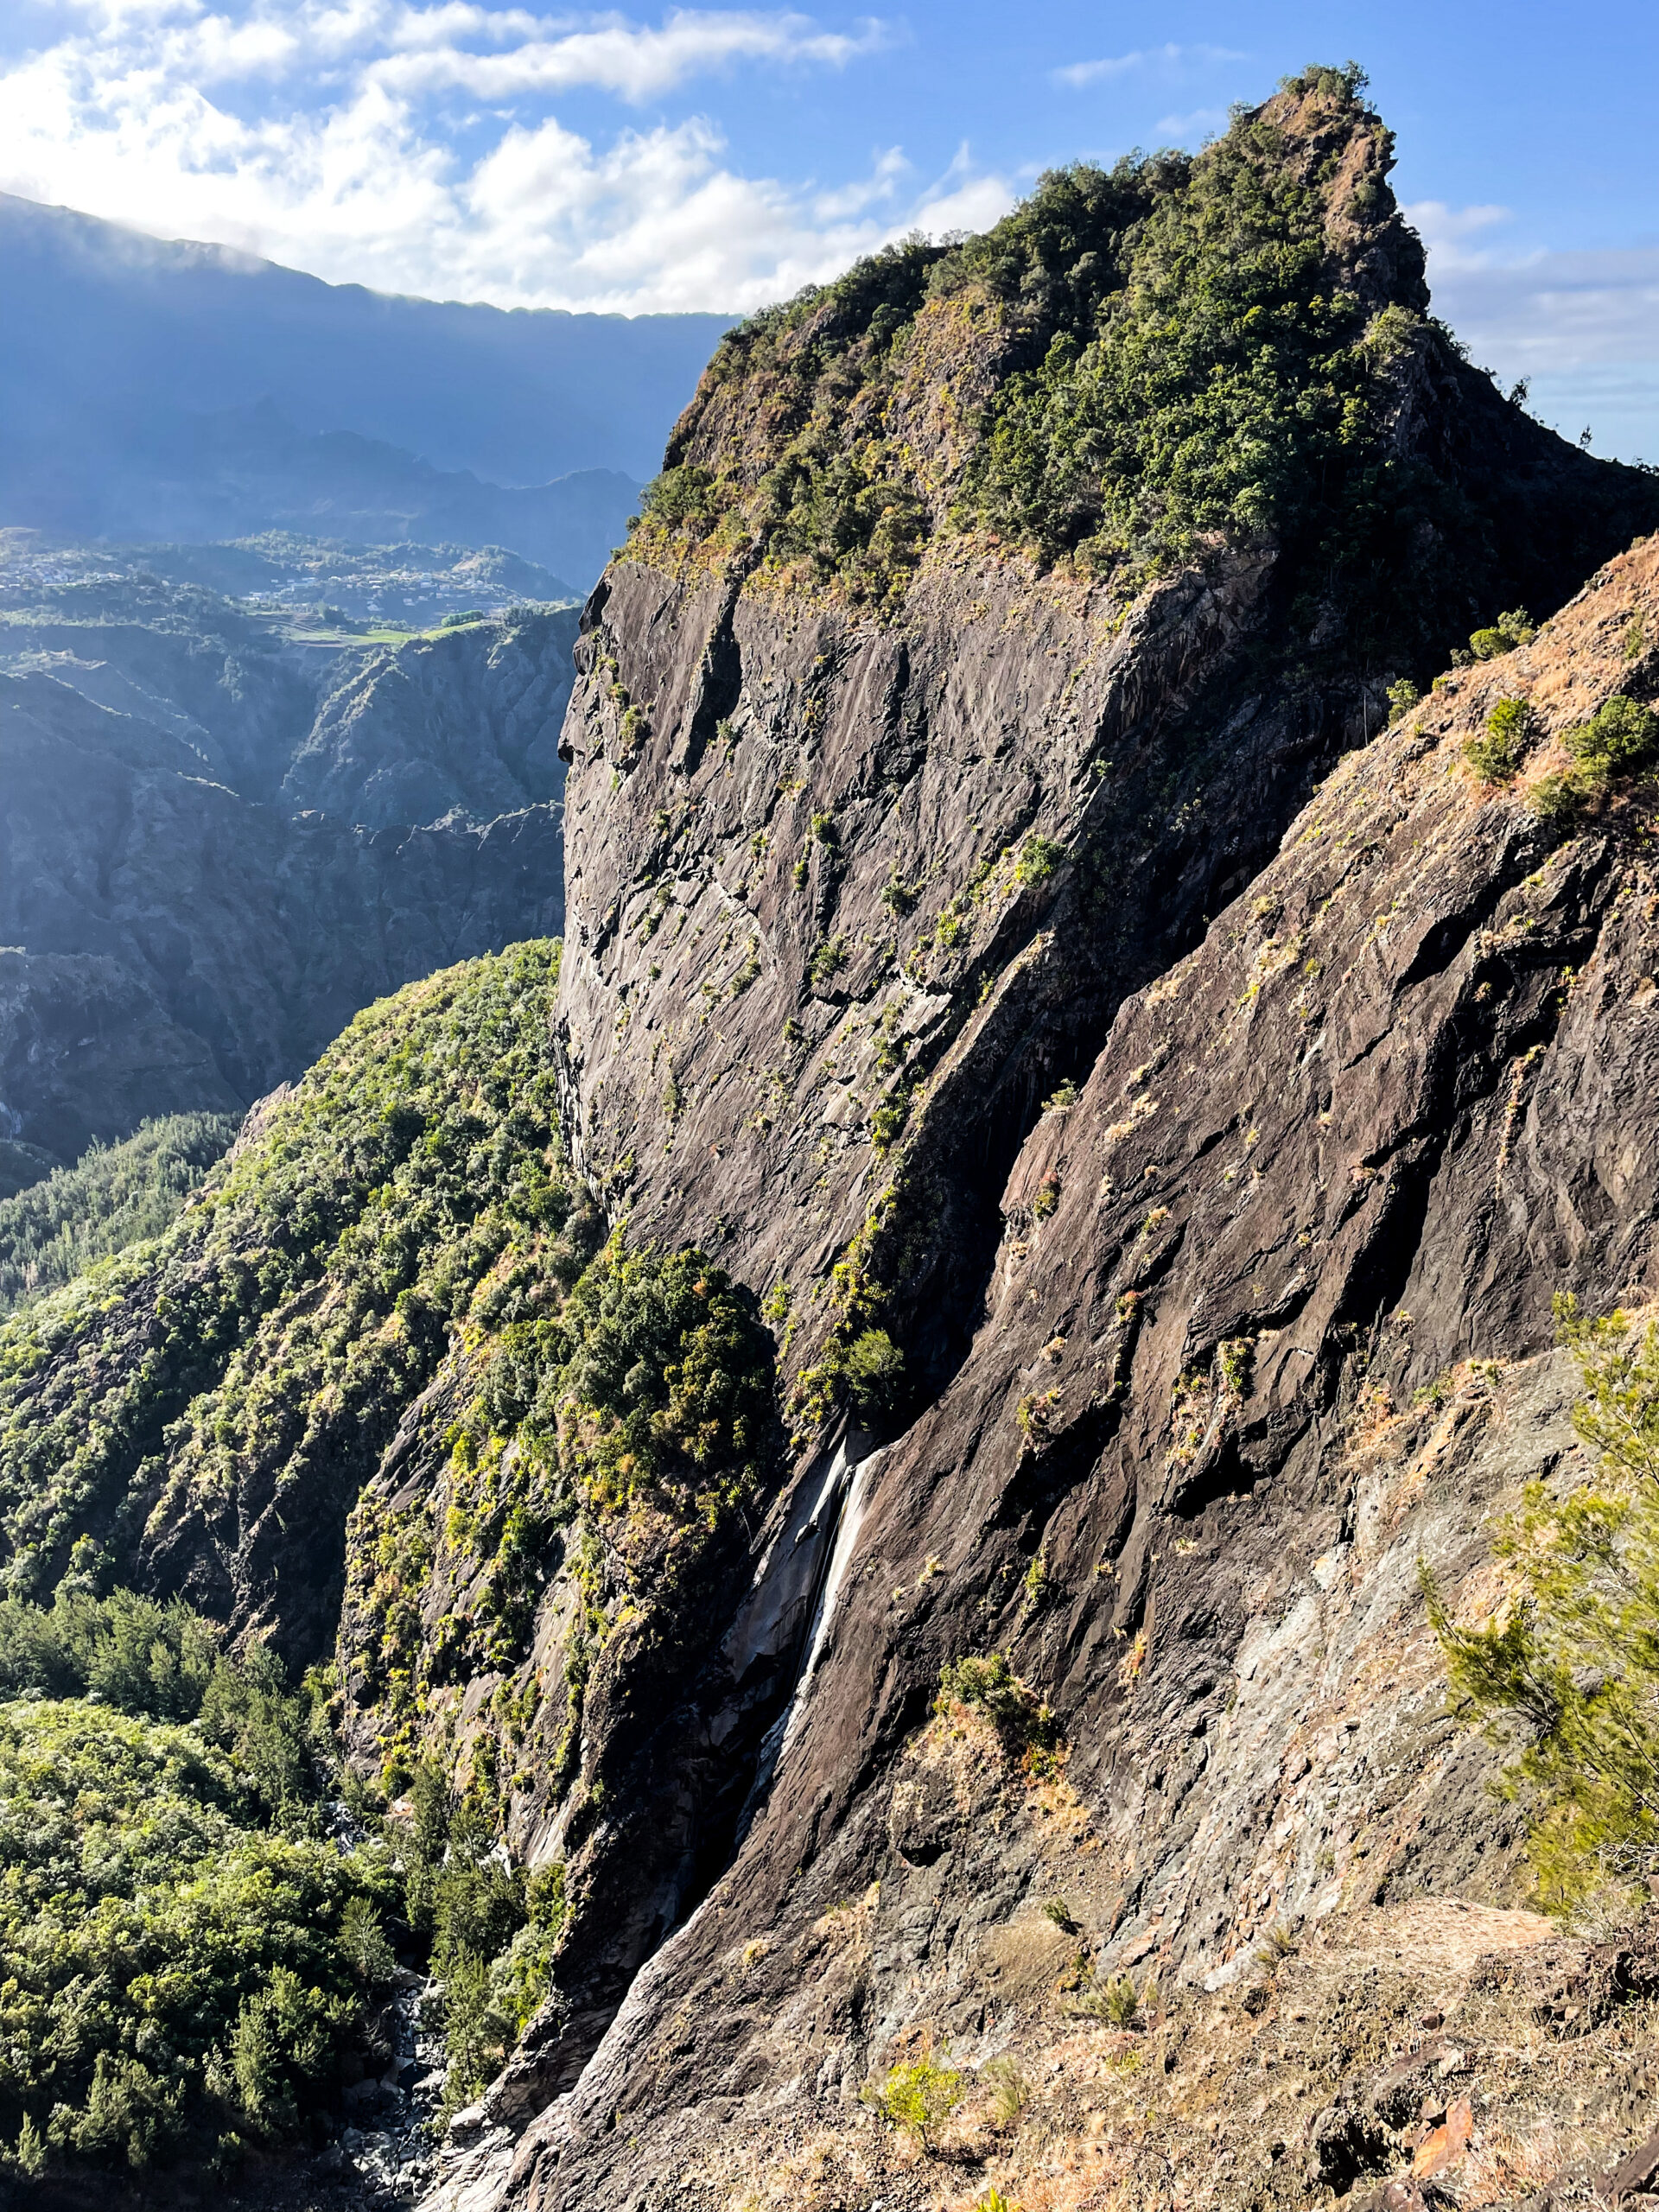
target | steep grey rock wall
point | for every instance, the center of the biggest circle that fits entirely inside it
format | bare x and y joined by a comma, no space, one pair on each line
1268,1318
893,975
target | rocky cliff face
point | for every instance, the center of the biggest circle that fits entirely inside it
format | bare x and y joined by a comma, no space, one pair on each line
1267,1323
1153,1290
835,877
205,866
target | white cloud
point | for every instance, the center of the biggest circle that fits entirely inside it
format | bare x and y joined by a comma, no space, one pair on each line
1581,327
635,64
1202,123
1447,232
1165,60
1554,311
1527,309
321,133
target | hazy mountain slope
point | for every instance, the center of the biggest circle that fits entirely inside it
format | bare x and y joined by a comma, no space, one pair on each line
247,470
175,659
258,933
517,396
459,723
406,581
87,1051
207,884
113,1197
119,350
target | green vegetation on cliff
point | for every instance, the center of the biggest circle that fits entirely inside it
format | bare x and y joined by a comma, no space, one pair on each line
388,1353
639,1404
1135,367
1570,1664
267,1341
114,1196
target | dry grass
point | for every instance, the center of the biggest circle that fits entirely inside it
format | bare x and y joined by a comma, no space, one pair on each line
1510,2161
1212,2107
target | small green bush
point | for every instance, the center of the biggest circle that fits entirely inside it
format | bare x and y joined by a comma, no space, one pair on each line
875,1374
683,498
1618,741
989,1683
1039,858
1120,2001
1235,1364
827,961
897,896
1554,799
1621,737
1510,631
633,729
364,1939
1402,697
887,1122
919,2098
1495,757
1569,1672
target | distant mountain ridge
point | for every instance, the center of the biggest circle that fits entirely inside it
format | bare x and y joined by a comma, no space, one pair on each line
158,389
216,845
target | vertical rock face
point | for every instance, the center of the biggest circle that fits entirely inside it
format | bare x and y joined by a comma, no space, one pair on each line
1267,1323
1124,1125
871,836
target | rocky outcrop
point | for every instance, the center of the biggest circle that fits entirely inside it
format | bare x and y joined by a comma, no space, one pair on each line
1161,1100
1266,1324
844,866
206,871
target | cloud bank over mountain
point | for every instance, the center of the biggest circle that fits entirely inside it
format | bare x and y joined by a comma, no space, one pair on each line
415,147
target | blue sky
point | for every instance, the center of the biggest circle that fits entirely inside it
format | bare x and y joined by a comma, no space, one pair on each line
718,157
